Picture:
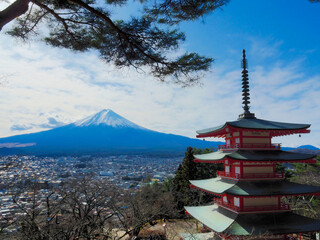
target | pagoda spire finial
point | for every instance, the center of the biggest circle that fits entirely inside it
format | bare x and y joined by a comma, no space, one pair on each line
245,88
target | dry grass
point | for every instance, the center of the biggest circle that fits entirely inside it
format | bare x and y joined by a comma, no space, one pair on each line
173,228
170,228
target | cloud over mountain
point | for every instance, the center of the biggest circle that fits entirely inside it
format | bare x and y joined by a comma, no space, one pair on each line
103,132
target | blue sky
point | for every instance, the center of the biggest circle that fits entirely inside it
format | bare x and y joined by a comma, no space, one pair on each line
44,87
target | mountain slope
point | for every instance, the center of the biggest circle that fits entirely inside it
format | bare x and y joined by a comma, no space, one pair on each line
106,117
104,132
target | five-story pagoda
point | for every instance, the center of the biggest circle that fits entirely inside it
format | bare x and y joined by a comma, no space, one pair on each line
249,191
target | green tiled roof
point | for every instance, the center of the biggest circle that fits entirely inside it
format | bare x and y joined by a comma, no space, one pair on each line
254,188
223,221
214,185
255,123
211,217
213,156
213,129
275,155
261,188
272,224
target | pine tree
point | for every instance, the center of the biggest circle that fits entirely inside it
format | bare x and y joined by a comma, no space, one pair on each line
145,41
189,170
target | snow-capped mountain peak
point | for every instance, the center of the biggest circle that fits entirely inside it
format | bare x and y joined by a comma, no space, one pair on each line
106,117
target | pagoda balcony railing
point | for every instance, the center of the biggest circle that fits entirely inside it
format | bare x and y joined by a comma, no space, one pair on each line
220,202
282,207
276,175
272,146
228,175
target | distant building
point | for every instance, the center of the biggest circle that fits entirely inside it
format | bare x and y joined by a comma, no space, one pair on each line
106,174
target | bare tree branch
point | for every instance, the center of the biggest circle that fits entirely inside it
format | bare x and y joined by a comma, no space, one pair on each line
16,9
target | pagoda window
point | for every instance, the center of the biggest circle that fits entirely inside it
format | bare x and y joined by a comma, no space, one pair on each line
256,140
251,133
227,169
225,199
228,142
259,202
237,202
263,169
237,140
236,134
237,170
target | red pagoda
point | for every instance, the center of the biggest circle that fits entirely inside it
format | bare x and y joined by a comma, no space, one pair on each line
249,192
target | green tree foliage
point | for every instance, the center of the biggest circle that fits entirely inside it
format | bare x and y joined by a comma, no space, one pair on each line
144,41
189,170
282,169
205,170
306,174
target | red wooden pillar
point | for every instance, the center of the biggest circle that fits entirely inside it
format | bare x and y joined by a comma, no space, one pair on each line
270,141
241,203
241,169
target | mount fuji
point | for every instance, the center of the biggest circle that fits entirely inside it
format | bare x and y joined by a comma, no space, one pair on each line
103,133
107,117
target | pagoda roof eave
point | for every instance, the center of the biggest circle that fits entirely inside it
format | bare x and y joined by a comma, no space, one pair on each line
255,124
212,217
254,188
229,223
272,224
214,130
272,188
213,185
254,155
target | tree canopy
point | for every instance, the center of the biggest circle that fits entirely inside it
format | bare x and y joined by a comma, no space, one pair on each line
306,174
146,42
189,170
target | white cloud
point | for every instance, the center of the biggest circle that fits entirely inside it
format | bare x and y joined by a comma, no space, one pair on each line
17,127
47,83
265,48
